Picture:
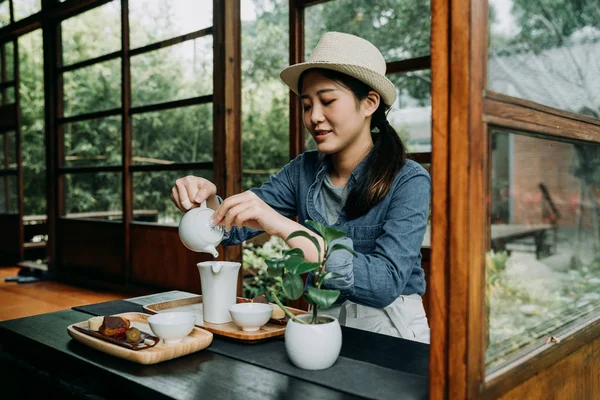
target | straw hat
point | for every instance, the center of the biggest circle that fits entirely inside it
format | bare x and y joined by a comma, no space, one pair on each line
351,55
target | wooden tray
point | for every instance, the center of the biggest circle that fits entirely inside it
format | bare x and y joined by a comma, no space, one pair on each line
197,340
230,329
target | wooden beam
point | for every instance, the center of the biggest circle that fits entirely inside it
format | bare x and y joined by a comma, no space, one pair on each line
126,152
413,64
437,281
172,41
525,116
296,41
227,106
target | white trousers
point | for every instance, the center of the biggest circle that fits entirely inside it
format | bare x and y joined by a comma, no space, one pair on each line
404,318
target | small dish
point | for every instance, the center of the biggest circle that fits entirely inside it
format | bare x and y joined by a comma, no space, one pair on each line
250,316
172,327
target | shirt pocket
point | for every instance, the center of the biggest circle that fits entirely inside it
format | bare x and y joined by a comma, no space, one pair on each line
364,237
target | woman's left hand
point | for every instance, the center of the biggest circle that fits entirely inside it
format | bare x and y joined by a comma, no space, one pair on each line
247,209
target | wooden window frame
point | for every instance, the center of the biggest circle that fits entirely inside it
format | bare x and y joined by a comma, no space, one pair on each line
462,119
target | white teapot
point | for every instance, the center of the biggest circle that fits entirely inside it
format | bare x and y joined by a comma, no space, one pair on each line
197,232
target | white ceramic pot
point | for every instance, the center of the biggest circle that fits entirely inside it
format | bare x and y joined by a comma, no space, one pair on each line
316,346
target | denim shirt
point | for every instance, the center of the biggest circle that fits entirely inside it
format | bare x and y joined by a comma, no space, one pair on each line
387,239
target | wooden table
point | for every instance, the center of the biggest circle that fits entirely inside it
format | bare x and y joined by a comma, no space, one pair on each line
38,358
504,234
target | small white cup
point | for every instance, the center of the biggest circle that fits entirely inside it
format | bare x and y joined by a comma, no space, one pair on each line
173,326
250,316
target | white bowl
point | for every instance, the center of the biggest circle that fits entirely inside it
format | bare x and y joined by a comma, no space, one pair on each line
250,316
172,327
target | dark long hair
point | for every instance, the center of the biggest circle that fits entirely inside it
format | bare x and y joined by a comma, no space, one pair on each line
385,159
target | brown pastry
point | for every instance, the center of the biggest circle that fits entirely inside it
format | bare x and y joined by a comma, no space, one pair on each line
113,325
260,299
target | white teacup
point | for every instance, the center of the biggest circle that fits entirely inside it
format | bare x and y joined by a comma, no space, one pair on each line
198,233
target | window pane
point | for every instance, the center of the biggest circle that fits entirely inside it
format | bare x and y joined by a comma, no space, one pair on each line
173,73
7,150
93,88
265,99
547,52
152,21
152,195
93,142
93,195
4,13
9,60
9,141
179,135
400,29
9,95
33,151
8,195
25,8
92,34
410,115
543,270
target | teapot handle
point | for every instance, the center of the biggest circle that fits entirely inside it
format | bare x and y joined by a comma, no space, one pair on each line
203,204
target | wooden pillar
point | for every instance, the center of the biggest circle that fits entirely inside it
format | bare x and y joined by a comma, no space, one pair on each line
459,170
227,155
296,56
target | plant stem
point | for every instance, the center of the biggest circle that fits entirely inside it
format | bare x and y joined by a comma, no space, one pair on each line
285,310
314,318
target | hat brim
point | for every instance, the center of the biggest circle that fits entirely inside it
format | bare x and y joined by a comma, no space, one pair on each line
381,84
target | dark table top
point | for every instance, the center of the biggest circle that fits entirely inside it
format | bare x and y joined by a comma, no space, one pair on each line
41,346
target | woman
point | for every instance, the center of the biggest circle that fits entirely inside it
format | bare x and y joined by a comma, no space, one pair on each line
358,180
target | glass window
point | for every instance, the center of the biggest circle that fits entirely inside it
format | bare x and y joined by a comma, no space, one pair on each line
265,98
543,269
33,150
410,115
180,135
93,142
152,195
176,72
4,13
10,65
7,150
9,95
400,29
94,88
25,8
93,195
10,148
153,21
8,194
92,34
547,52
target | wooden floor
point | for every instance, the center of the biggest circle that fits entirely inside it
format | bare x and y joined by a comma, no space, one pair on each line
22,300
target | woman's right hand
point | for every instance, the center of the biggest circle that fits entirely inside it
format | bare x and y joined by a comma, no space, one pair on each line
190,191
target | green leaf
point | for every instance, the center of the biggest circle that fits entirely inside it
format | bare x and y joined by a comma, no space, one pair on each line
306,267
291,264
330,275
306,235
328,233
293,286
323,298
339,246
294,252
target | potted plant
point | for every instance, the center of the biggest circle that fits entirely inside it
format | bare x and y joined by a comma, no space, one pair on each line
312,341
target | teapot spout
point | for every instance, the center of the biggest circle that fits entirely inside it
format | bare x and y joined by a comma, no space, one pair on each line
212,250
